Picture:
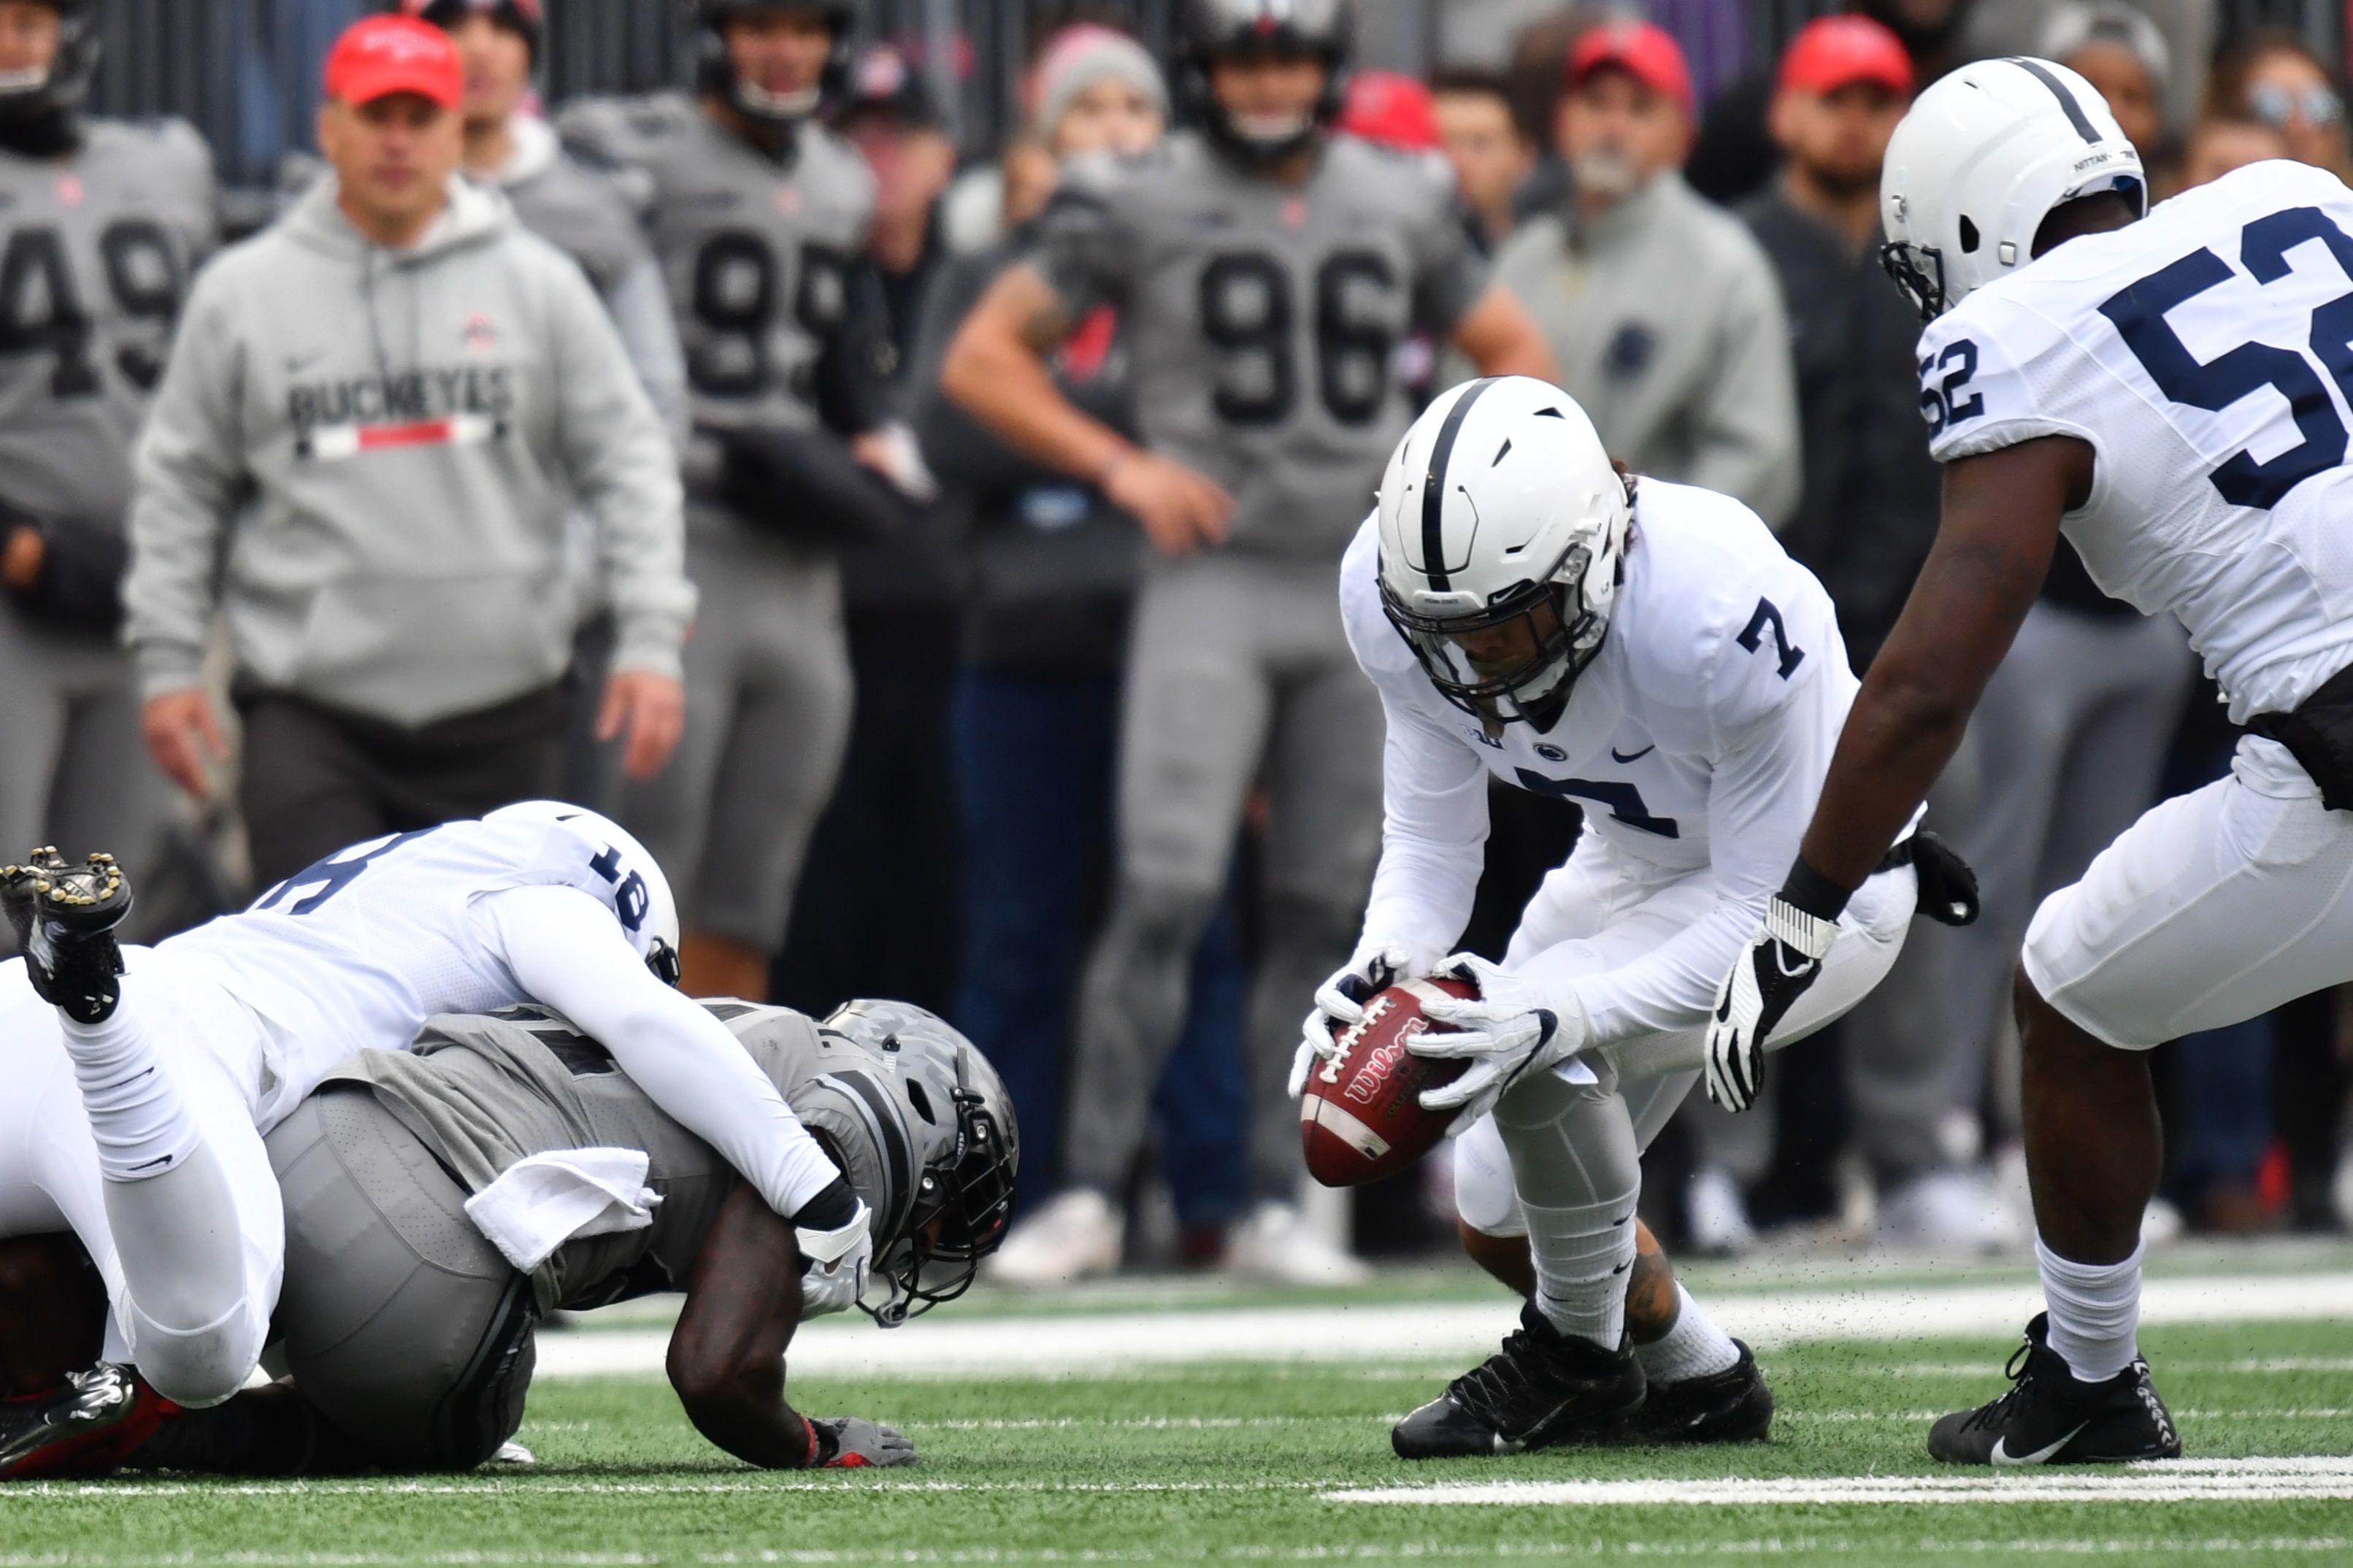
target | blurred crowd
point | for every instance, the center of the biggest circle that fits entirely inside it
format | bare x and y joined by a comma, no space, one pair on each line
887,760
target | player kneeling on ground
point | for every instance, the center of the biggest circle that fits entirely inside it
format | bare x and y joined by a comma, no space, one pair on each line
439,1204
1530,610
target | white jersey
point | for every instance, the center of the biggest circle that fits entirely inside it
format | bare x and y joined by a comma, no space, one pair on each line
2206,354
357,952
1697,739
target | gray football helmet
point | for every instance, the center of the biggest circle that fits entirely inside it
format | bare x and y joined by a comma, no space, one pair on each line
1221,29
65,82
715,70
930,1141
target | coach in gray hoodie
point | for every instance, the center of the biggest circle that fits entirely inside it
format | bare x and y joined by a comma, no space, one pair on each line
376,417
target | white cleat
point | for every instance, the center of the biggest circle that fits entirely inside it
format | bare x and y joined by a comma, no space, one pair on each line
1718,1214
1075,1237
1948,1212
513,1456
1274,1245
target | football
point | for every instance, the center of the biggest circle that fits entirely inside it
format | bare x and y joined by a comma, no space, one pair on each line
1361,1116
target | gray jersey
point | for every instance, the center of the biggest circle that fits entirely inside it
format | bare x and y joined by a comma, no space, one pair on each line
485,1091
99,248
1263,318
756,252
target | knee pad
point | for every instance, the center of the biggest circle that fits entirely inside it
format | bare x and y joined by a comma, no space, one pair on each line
1571,1145
201,1366
1484,1196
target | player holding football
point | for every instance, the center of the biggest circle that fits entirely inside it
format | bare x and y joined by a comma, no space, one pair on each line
2170,390
1265,272
415,1281
1528,610
136,1084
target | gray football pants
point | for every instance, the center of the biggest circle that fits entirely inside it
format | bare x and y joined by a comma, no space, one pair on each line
2073,729
767,718
74,770
1238,673
402,1326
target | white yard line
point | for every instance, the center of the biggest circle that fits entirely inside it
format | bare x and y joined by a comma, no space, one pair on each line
1094,1343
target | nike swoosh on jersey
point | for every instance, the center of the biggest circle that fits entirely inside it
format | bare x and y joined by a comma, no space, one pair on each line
2002,1455
1617,756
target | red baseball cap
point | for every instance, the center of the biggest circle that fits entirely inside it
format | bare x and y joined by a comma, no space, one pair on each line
1832,52
1392,110
1643,50
379,56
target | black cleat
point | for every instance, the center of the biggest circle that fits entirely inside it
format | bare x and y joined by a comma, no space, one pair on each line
65,917
1729,1406
86,1429
2049,1418
1543,1387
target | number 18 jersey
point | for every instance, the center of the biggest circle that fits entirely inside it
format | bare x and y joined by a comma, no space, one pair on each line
2206,354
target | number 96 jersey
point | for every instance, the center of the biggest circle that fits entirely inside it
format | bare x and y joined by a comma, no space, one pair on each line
98,248
1263,318
757,253
2206,354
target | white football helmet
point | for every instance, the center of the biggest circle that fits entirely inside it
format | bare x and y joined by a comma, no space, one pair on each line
1980,160
1503,527
655,933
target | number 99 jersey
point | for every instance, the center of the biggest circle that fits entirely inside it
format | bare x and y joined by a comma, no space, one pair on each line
2206,354
99,246
1263,319
756,252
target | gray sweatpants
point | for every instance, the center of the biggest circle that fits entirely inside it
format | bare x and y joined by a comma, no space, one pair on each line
73,769
2073,730
1239,674
401,1325
768,718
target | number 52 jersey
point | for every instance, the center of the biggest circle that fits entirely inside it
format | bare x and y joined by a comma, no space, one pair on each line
96,250
2206,354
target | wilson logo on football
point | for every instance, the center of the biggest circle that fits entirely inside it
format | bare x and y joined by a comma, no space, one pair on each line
1366,1083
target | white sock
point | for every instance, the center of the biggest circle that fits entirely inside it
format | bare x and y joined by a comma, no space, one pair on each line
1695,1347
1582,1255
2094,1310
136,1113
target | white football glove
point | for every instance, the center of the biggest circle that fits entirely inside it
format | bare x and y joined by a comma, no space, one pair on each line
837,1264
1512,1028
1340,1001
1782,960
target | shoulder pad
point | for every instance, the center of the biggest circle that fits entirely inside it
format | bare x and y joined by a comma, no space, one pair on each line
616,132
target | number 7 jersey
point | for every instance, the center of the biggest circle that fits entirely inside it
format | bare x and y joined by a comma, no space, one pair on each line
2206,354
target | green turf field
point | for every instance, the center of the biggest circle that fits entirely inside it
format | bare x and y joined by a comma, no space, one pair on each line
1217,1463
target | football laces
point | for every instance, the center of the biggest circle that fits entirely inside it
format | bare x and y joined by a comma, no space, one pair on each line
1351,1036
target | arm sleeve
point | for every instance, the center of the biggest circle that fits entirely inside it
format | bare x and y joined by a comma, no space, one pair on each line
1433,834
567,952
625,471
187,473
853,382
1744,422
1450,274
639,304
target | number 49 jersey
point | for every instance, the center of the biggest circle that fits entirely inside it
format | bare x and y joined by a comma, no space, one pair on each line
1263,319
2206,354
96,250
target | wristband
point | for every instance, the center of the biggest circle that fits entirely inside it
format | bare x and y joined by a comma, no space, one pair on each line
1813,894
831,1209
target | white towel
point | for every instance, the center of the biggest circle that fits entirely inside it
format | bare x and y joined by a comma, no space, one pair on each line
540,1203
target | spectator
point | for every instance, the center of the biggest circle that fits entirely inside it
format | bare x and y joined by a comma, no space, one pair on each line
72,771
875,914
1864,524
1661,309
582,212
2218,146
2271,76
1391,109
2122,55
1492,158
1055,571
389,501
758,215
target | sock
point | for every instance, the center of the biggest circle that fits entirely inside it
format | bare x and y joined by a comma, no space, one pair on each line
1581,1258
1695,1347
136,1113
2094,1310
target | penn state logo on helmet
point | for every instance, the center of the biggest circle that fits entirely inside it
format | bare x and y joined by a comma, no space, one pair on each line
1503,527
62,84
1219,30
1980,160
716,73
